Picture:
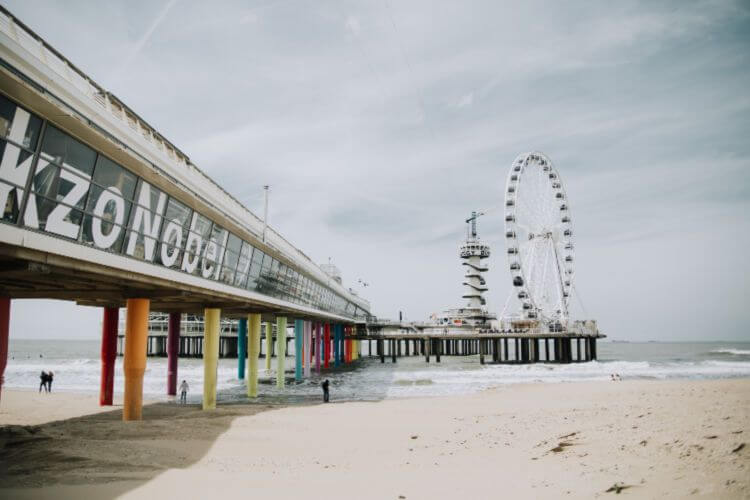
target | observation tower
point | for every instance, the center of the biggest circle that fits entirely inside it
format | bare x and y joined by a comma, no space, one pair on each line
473,252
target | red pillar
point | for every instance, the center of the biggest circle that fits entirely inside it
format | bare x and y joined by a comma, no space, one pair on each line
173,352
4,328
327,342
109,354
347,346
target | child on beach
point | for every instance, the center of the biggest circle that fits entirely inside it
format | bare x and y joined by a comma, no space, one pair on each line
183,392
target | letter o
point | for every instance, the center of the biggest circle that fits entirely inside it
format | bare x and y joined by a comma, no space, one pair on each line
109,195
173,229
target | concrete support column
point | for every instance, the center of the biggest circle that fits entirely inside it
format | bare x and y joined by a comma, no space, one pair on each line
4,334
269,347
134,362
298,343
280,351
241,347
327,345
211,331
108,354
252,355
307,347
173,351
336,345
316,344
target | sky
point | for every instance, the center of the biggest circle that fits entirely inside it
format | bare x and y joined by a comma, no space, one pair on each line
381,125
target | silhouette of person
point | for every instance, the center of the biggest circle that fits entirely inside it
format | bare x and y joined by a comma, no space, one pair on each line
49,381
43,381
326,395
183,391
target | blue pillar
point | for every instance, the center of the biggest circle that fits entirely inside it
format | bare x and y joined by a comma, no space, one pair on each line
298,354
340,344
241,348
336,345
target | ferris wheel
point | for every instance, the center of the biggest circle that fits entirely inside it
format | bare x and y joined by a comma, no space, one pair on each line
539,238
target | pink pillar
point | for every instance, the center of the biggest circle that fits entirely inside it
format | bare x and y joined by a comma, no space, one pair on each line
4,328
108,355
327,342
173,352
317,347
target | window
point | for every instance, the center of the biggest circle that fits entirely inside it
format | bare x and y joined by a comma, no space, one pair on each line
231,258
108,208
243,265
174,233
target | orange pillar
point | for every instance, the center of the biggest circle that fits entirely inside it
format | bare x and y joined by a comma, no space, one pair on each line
134,364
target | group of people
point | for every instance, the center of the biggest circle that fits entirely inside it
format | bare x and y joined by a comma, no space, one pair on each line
46,381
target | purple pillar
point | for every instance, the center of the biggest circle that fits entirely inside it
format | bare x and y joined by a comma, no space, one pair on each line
173,352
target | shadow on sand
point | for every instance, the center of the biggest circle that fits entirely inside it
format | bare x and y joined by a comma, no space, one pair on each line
114,457
102,449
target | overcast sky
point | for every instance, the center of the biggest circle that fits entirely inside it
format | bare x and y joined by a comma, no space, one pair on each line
381,125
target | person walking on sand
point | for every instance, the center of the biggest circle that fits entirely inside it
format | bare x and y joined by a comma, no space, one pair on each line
43,381
49,381
183,391
326,395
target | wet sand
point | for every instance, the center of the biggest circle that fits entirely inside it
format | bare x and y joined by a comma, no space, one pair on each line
647,439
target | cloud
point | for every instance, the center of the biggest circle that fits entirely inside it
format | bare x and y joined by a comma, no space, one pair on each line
353,25
378,142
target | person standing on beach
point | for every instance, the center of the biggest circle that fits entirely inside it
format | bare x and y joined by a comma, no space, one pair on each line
43,382
49,381
326,395
183,392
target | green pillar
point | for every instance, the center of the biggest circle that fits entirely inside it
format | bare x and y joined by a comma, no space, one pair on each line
280,351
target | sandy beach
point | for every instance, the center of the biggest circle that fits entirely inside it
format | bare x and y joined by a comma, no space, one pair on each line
647,439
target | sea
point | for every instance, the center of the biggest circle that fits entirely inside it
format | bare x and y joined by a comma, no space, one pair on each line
76,367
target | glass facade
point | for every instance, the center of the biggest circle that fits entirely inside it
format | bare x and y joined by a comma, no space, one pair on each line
65,188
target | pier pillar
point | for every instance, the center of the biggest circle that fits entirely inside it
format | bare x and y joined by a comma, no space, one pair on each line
335,345
593,349
134,361
317,348
211,330
241,347
108,354
298,343
426,348
393,348
253,321
269,347
4,334
281,351
327,343
438,349
481,351
307,347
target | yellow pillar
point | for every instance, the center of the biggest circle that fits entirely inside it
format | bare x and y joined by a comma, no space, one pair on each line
280,350
269,336
253,349
211,329
134,363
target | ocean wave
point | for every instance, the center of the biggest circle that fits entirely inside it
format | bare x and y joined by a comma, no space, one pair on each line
734,352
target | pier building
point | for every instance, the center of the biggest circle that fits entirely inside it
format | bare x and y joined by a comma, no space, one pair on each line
98,207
